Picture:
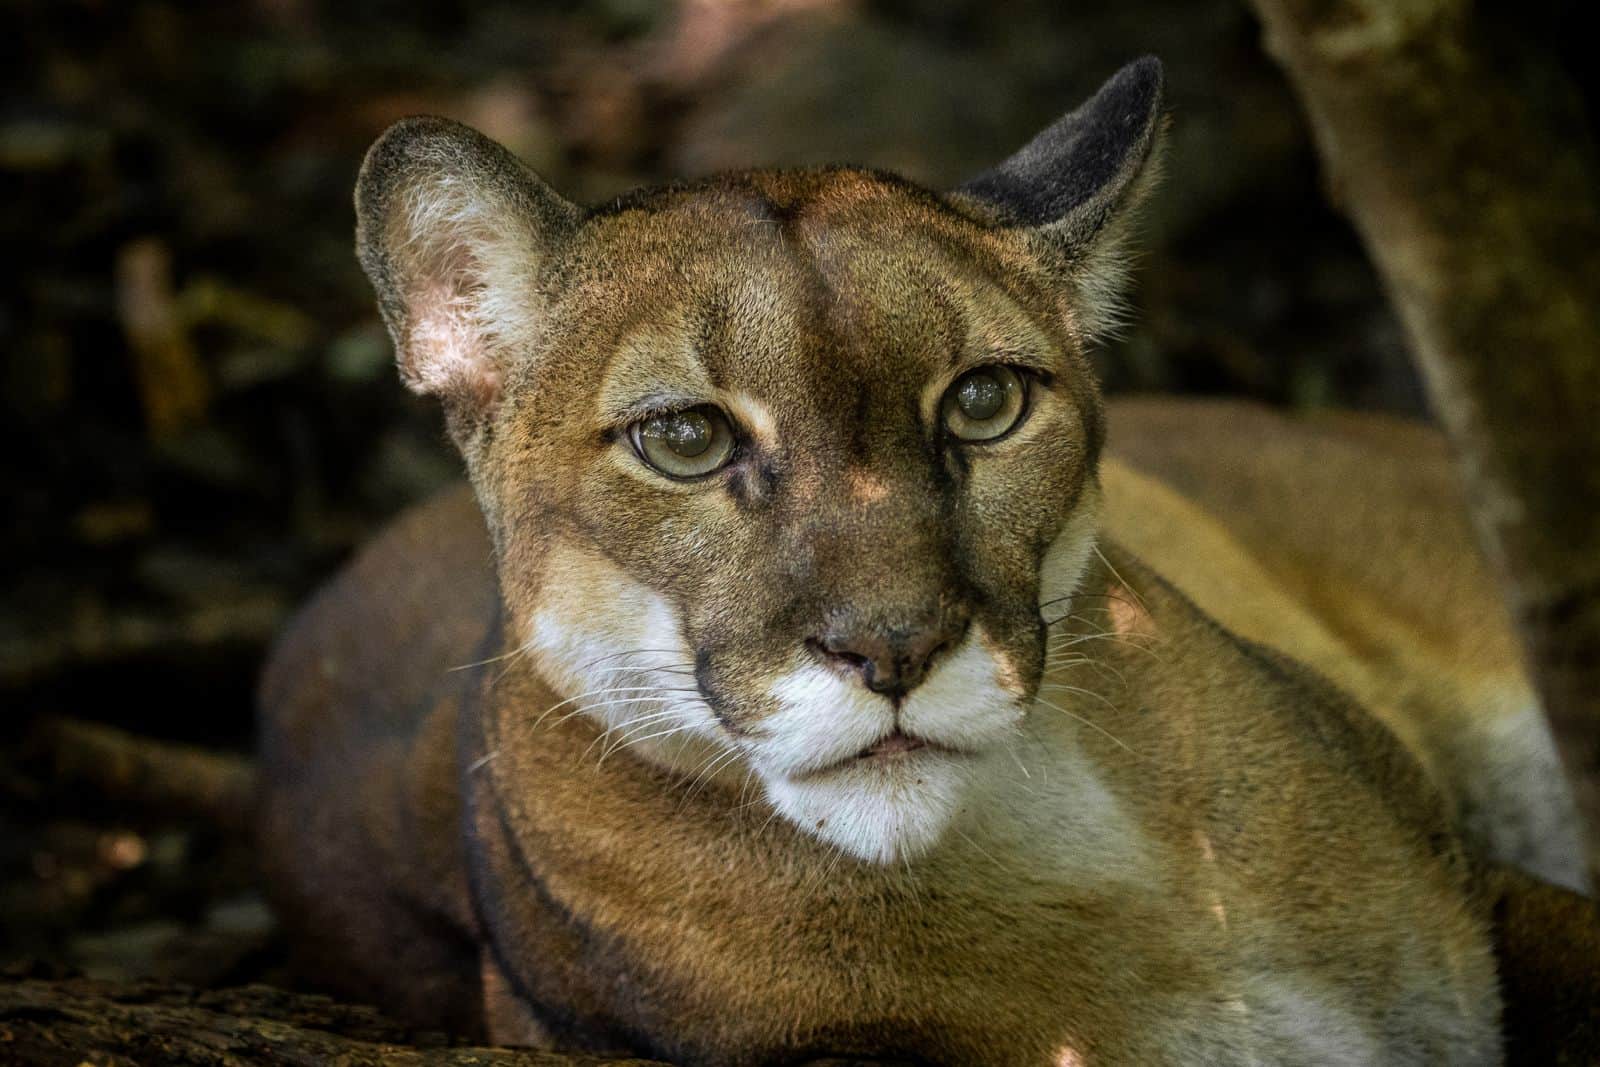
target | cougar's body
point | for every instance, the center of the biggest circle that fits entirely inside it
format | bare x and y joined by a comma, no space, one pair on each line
1128,899
797,680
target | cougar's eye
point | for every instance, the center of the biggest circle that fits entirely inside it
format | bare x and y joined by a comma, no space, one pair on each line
684,444
984,404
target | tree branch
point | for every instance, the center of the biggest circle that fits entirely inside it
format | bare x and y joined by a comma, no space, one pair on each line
71,761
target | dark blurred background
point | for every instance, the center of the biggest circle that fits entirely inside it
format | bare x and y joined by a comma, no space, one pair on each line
201,419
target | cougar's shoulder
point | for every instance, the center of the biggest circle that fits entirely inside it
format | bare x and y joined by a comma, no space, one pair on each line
358,813
420,594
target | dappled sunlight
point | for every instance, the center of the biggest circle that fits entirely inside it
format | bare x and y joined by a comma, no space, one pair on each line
1067,1056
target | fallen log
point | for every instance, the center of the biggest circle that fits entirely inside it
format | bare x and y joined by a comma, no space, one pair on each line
69,1022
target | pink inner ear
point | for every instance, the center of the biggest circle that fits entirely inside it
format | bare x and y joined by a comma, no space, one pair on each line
445,351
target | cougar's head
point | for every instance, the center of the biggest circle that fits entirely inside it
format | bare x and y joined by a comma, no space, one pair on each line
782,467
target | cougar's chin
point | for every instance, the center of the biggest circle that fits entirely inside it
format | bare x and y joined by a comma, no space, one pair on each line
878,780
882,808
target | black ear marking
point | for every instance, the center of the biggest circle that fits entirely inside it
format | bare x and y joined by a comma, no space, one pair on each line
1076,173
1071,192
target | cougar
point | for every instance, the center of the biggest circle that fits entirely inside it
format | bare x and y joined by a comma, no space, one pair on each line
801,677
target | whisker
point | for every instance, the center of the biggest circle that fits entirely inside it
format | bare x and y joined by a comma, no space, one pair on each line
643,670
1030,734
1065,659
980,849
1018,761
712,766
1125,584
632,652
580,709
607,691
520,650
498,678
1127,640
629,742
1091,724
628,726
1087,661
909,882
1131,598
824,875
768,822
1059,687
1082,609
1112,635
743,804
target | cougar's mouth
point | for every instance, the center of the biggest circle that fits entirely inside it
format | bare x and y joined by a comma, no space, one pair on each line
894,748
894,744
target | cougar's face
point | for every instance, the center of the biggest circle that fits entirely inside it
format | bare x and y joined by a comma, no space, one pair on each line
797,464
781,467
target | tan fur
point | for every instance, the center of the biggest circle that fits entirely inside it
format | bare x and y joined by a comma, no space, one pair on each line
1195,792
1352,530
1167,873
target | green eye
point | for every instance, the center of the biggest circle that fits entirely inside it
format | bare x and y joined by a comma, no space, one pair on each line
684,444
984,404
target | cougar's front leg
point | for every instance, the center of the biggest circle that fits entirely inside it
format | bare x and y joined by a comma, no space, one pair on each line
507,1019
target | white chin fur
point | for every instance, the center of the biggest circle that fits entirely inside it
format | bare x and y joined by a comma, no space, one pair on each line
882,812
624,670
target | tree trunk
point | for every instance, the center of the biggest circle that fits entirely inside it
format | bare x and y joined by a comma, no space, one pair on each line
1462,157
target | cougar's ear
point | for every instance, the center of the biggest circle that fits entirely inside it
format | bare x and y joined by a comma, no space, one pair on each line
452,230
1073,187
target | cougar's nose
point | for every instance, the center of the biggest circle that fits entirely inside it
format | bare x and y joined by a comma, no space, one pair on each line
891,661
